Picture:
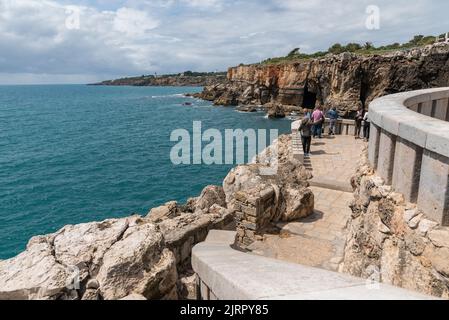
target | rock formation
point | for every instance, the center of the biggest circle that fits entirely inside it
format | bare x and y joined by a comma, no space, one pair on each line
391,241
115,259
346,81
148,257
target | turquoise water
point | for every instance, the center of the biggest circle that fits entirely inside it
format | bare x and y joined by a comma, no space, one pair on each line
73,154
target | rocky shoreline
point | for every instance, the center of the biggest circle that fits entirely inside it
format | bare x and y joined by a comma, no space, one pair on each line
147,257
346,81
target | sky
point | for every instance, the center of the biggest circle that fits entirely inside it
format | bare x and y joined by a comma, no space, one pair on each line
84,41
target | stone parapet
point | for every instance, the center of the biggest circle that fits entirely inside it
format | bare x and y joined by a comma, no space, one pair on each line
409,147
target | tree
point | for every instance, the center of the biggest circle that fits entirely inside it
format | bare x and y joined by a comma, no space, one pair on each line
368,46
336,49
294,52
353,47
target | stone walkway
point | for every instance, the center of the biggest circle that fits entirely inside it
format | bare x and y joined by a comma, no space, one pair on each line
334,161
319,240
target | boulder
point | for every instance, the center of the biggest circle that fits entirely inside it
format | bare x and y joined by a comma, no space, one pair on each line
34,274
138,264
209,196
167,211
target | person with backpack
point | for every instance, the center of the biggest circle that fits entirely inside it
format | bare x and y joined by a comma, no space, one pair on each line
305,130
333,118
358,122
318,122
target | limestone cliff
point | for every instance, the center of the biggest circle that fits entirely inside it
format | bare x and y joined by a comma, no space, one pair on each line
346,81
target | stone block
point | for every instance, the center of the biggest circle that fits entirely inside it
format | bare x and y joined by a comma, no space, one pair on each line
373,151
407,169
433,197
204,291
426,108
385,163
442,109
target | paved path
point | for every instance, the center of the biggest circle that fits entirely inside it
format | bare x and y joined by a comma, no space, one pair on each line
319,239
334,160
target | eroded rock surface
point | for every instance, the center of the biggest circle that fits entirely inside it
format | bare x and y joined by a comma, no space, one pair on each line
392,241
346,81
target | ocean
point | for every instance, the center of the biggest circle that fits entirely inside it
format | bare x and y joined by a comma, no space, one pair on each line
74,154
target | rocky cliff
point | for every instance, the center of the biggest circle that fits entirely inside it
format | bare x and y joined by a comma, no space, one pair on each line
392,241
145,257
346,81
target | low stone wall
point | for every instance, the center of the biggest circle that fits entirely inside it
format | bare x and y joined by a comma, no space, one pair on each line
409,147
392,241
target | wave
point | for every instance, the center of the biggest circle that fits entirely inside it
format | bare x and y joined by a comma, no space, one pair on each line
176,95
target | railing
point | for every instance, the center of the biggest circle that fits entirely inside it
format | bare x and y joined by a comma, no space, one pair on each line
409,147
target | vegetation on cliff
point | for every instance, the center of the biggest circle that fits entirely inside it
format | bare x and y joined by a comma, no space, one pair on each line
366,48
188,78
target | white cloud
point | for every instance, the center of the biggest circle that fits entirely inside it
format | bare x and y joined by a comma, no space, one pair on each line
133,22
130,37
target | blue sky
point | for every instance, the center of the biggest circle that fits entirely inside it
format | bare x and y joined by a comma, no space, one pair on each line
79,41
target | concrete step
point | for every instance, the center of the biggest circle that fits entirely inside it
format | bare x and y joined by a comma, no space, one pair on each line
331,184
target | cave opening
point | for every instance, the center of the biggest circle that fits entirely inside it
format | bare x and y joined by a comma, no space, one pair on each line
309,99
364,89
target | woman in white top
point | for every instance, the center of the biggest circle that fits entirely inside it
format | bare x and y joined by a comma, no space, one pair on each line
366,126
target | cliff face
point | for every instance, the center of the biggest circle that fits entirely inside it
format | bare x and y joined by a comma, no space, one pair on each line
346,81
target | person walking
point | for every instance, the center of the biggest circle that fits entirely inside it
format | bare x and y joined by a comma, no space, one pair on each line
333,118
318,121
305,130
358,123
366,126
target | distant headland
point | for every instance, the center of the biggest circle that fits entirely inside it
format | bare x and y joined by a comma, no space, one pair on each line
184,79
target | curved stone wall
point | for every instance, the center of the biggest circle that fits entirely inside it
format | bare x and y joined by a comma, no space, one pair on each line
409,147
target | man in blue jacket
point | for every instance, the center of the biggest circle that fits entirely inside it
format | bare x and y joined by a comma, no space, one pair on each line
333,117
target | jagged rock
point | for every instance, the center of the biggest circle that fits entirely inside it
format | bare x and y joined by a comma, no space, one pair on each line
414,223
209,196
188,229
410,214
275,111
93,284
138,264
187,287
92,294
440,237
167,211
425,225
249,108
34,274
439,258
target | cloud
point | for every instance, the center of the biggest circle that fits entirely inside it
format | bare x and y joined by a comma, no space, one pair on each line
67,40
